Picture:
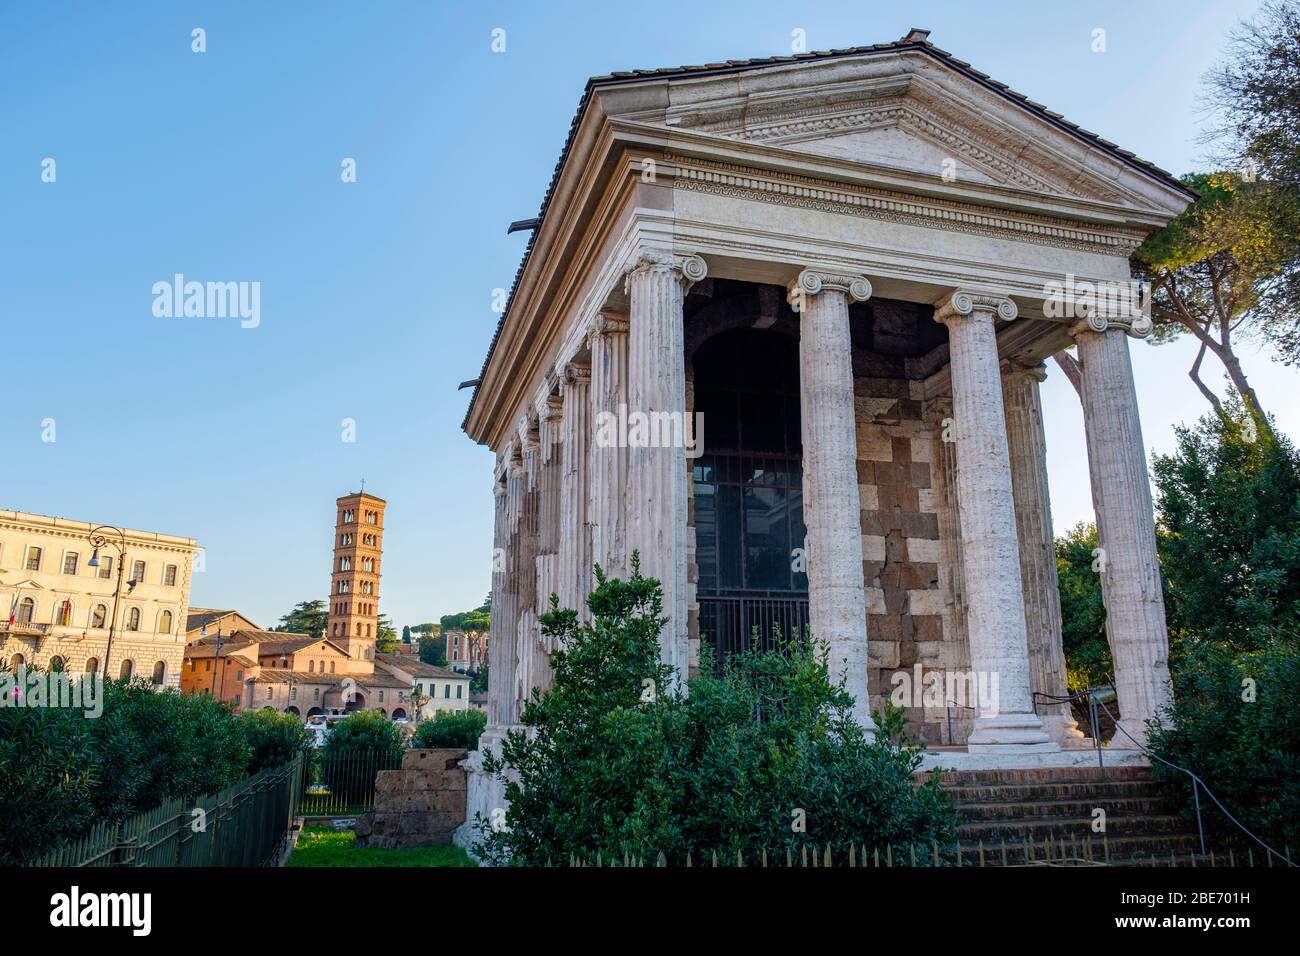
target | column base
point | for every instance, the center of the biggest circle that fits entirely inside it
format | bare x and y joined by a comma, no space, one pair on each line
1010,733
1137,734
1063,729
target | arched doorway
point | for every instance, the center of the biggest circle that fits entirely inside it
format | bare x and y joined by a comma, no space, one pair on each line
399,713
292,710
748,489
315,712
358,702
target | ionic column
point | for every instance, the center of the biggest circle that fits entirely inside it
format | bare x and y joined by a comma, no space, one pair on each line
500,542
607,468
504,646
837,600
1005,719
1027,448
550,465
657,281
528,648
575,536
1126,534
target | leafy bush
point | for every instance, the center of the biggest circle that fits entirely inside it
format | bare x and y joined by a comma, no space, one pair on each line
1246,750
356,749
621,761
461,729
1083,617
274,737
62,772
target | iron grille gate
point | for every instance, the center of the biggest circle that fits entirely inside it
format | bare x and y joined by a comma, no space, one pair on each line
729,623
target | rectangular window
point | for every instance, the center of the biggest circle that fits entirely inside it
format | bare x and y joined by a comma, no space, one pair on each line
446,691
137,572
459,688
381,696
270,692
70,562
33,559
293,692
105,567
169,576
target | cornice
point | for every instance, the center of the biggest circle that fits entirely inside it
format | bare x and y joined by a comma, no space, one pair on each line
788,189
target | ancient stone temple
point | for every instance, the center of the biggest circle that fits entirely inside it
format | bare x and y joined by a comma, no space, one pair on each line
780,328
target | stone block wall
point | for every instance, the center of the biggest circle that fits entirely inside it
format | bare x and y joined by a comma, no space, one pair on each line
420,804
912,610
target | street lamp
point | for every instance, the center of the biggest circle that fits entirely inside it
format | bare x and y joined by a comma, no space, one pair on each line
101,536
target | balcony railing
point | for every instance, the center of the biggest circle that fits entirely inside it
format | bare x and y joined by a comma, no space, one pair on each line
24,628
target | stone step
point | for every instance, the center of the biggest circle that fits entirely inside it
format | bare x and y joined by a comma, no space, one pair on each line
994,831
1135,850
1099,791
1066,811
1046,775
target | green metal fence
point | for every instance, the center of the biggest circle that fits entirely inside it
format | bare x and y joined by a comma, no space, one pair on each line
344,784
244,825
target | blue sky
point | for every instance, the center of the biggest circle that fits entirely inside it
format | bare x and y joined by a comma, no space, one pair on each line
376,295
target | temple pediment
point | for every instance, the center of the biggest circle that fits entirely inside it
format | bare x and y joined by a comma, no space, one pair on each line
908,112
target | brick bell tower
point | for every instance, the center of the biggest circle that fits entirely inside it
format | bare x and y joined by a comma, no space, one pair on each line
354,578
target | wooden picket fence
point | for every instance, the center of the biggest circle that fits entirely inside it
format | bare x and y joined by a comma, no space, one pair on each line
245,824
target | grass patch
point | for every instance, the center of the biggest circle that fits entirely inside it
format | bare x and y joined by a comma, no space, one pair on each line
323,846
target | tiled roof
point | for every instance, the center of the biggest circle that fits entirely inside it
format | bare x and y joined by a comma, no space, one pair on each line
201,616
914,40
417,666
208,647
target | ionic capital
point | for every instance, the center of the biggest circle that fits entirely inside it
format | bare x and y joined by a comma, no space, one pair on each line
689,269
1097,320
609,322
814,282
963,304
1014,371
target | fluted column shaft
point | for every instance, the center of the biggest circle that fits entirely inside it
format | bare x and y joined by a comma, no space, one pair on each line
504,646
837,603
1027,450
999,651
1126,535
656,283
529,650
575,535
550,476
607,467
500,603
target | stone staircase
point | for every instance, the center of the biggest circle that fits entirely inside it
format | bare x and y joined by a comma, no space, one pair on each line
1026,817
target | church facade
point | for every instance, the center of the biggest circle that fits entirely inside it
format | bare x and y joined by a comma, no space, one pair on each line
780,329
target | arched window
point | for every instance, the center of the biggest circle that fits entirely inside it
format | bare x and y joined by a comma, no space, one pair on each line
159,672
165,622
358,628
58,664
331,667
26,610
99,617
92,666
311,667
133,619
16,662
127,670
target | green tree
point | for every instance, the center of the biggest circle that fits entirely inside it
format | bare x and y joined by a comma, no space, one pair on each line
385,635
1212,271
433,650
307,617
1083,616
1228,504
451,729
617,761
275,738
406,634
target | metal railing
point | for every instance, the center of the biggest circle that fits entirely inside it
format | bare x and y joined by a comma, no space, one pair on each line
246,824
734,623
1095,702
341,785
